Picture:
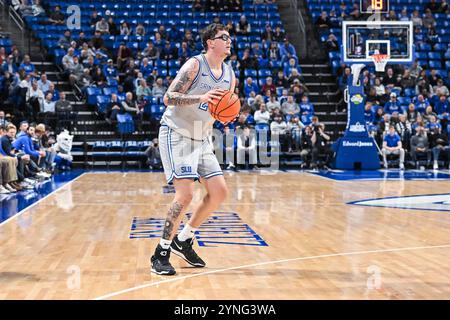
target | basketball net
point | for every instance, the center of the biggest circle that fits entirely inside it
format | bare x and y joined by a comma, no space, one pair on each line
380,61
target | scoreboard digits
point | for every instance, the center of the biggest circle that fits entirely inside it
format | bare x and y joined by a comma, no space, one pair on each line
370,6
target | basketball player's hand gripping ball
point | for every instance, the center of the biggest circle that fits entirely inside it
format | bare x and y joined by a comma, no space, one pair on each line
226,107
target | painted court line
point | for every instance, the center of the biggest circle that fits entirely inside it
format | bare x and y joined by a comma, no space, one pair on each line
148,285
40,200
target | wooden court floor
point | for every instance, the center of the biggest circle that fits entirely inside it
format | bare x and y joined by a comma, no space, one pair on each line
75,244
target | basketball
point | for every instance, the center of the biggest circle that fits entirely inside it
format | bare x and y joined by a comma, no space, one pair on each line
226,108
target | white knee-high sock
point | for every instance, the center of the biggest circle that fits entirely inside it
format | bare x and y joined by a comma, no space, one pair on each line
165,244
188,232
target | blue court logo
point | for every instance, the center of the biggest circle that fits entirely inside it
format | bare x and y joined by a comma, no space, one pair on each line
434,202
221,229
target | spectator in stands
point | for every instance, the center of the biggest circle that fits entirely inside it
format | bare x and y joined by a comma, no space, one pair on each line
412,113
250,86
392,16
269,86
246,148
146,69
415,69
335,20
444,8
124,29
273,53
392,105
432,6
53,91
322,21
416,19
392,144
421,104
390,79
184,52
278,127
3,121
294,77
287,51
81,40
188,38
124,55
150,51
63,109
143,90
97,41
99,78
262,116
23,129
332,43
440,89
439,144
75,71
306,109
65,40
28,66
419,146
281,80
290,108
94,19
294,130
343,80
407,82
110,71
44,83
112,27
428,21
158,89
35,99
140,30
56,16
129,105
169,52
273,103
267,34
423,87
243,27
257,51
67,60
279,35
48,106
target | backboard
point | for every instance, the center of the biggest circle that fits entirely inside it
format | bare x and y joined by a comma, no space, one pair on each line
362,39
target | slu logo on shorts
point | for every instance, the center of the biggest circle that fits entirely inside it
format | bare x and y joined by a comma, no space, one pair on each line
203,106
186,169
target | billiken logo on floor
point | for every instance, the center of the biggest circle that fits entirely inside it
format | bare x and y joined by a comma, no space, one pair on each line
221,229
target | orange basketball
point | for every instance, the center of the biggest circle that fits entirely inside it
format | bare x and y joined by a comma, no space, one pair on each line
226,108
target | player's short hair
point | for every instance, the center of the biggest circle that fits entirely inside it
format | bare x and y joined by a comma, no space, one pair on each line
210,32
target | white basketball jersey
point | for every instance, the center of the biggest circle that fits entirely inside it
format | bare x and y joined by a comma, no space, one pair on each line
195,121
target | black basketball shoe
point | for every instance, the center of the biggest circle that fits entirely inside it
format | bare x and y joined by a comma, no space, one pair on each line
184,250
160,262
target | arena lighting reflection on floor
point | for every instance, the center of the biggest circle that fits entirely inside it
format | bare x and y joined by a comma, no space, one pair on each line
11,204
390,174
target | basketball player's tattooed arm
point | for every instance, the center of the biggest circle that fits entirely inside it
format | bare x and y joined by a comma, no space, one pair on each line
174,212
176,94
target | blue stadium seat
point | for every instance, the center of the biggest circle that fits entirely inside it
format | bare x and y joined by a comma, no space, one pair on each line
434,55
92,93
435,64
250,73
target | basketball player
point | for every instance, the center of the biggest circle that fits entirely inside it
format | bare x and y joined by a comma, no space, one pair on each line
186,152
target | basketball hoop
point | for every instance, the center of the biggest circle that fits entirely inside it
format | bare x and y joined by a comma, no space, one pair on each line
380,61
